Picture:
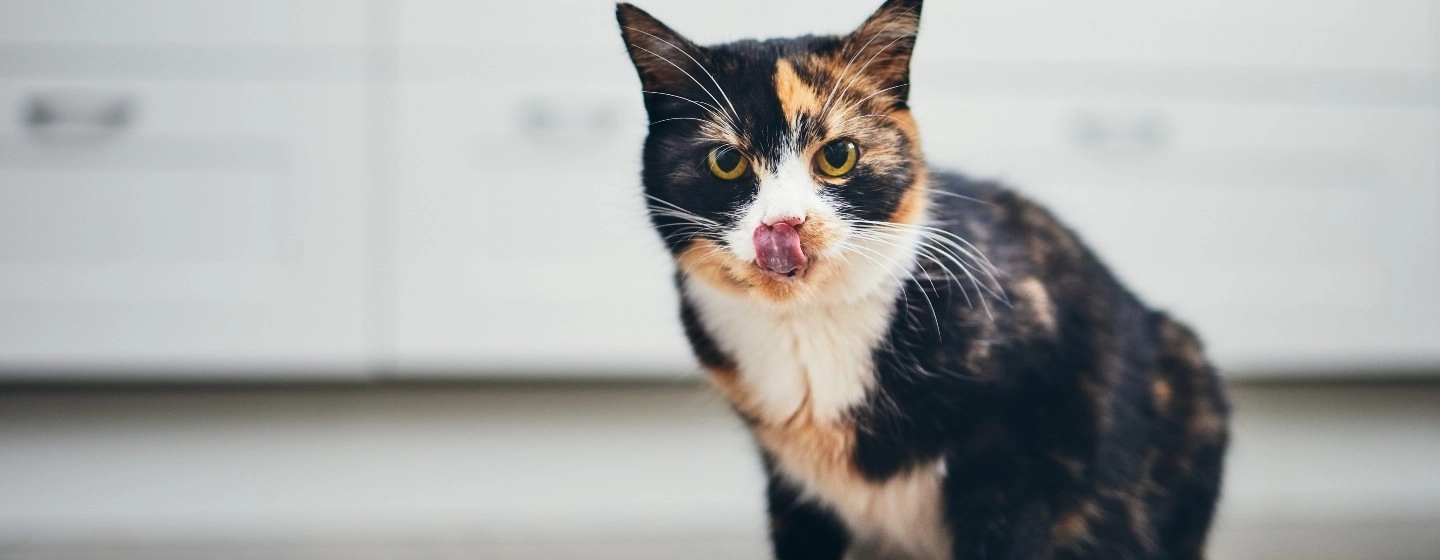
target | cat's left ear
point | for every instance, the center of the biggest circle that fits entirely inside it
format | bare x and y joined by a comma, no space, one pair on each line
665,60
882,45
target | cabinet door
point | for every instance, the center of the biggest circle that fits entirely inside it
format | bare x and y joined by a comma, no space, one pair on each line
1303,240
160,229
523,245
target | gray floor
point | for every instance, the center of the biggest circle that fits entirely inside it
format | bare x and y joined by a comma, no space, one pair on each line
1334,471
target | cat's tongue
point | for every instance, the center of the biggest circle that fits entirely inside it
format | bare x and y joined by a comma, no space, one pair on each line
777,248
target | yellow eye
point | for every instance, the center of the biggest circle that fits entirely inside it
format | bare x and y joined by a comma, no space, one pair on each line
837,158
727,163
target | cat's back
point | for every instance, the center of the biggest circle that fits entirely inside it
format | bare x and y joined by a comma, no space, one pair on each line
1152,411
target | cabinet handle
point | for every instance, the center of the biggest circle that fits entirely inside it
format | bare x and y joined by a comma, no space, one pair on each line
78,112
1132,135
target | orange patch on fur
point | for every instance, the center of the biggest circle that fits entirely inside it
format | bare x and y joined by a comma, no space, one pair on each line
718,267
1073,526
1161,392
819,455
796,97
913,205
1034,301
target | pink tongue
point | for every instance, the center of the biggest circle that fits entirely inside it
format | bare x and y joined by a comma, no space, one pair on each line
777,248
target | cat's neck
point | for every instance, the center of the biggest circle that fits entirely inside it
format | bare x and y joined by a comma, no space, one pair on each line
810,357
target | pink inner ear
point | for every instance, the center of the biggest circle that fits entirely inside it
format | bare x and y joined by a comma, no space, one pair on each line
777,248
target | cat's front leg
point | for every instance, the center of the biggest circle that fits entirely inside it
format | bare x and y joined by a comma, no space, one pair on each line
800,529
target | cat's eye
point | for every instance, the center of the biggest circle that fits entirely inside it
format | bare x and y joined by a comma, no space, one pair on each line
837,158
727,163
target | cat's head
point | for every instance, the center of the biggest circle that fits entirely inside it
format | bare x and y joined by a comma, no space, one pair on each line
783,169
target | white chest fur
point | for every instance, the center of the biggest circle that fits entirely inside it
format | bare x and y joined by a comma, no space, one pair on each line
815,359
800,370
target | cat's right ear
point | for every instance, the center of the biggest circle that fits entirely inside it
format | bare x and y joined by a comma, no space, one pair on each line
665,60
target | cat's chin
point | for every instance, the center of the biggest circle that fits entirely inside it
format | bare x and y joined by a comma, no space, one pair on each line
796,275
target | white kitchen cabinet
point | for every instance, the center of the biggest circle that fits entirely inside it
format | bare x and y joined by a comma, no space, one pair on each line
522,243
184,190
1296,239
215,229
316,188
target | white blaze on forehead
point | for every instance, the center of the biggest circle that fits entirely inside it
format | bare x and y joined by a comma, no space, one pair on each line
787,191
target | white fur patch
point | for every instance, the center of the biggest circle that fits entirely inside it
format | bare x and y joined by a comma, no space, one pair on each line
815,357
904,518
788,191
818,349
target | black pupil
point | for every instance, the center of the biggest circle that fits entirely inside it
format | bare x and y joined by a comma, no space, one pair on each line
837,153
727,159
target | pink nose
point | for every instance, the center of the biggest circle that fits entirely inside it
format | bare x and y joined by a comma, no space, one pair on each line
777,247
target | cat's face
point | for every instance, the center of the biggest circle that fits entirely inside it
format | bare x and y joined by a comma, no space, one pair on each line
783,169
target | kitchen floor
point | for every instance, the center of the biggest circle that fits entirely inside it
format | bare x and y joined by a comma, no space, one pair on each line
594,471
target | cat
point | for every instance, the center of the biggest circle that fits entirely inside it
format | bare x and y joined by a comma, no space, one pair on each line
931,365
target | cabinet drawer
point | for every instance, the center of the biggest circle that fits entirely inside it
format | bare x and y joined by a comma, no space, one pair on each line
185,23
1294,238
522,241
179,228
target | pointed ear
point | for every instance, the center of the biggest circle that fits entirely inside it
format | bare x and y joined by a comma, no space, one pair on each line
882,45
661,56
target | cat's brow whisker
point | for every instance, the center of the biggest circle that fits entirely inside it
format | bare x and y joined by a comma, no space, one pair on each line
844,70
847,121
653,123
857,104
697,63
708,107
841,77
688,75
877,54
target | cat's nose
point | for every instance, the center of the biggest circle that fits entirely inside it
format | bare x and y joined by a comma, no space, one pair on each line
791,221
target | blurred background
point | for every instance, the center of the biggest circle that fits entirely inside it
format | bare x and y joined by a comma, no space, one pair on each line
371,278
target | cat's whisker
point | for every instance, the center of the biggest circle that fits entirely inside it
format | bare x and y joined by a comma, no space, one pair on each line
687,74
934,314
702,69
844,70
904,13
712,109
888,239
961,197
951,239
857,104
683,210
924,252
877,54
875,115
995,290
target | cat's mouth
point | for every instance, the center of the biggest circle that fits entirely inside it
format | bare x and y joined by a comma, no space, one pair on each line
778,251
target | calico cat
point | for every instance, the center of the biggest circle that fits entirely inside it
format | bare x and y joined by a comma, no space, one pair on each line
932,366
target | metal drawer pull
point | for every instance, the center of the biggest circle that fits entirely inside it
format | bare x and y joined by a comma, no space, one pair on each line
78,112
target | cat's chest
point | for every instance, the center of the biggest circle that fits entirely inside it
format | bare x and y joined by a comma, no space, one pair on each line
799,373
814,360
